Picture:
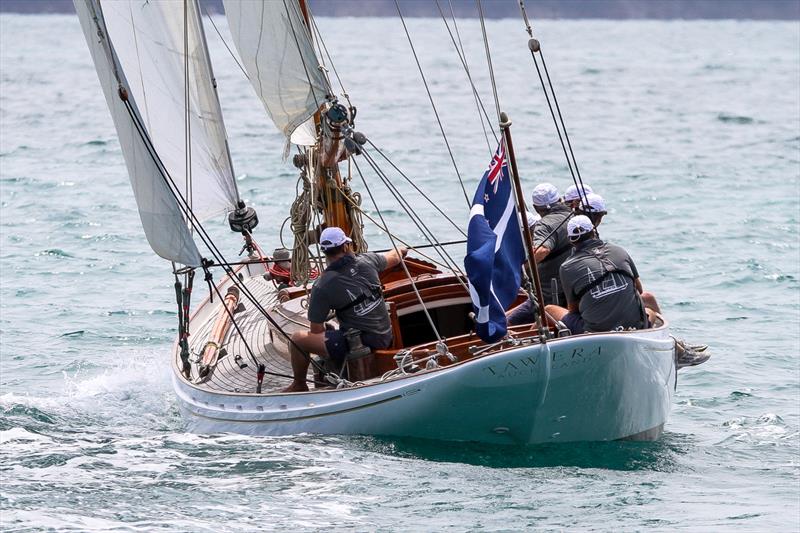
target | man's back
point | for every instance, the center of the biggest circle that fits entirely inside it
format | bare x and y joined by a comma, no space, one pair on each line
600,277
353,278
556,240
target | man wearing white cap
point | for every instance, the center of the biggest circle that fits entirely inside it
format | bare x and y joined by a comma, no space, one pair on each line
593,207
572,196
351,287
601,284
551,247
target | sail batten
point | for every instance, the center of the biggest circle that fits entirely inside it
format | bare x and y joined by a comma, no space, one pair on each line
276,50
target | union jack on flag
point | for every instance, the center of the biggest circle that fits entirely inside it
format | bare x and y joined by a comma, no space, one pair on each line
498,167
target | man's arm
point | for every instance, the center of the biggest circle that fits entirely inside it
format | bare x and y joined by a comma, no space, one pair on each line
316,328
541,253
638,284
393,257
572,307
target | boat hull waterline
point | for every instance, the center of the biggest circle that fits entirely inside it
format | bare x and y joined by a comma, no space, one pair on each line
597,387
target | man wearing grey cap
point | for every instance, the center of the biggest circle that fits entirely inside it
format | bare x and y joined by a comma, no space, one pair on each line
601,284
350,286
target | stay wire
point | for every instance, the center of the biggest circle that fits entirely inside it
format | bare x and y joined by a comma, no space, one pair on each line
569,155
419,190
386,230
433,105
225,43
463,57
489,59
426,232
394,246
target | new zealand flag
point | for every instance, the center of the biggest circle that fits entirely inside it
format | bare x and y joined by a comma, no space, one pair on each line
495,252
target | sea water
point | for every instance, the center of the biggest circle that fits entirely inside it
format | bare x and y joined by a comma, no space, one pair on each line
690,130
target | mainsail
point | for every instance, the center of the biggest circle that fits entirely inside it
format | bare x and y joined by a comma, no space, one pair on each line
275,46
162,216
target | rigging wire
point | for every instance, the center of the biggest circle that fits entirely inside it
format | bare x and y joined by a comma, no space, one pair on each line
187,114
426,232
300,53
402,263
463,57
202,233
225,43
433,105
534,45
489,59
172,187
419,190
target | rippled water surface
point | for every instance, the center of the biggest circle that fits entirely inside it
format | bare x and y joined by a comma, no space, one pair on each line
691,130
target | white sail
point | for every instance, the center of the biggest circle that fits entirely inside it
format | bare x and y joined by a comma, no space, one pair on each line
276,50
150,38
161,215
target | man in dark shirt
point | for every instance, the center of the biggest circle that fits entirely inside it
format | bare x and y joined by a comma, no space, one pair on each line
601,284
351,287
574,196
551,248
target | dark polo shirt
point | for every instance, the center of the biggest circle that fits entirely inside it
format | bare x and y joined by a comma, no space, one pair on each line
559,245
615,301
343,282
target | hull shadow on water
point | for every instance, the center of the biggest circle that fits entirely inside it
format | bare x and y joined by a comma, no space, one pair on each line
661,456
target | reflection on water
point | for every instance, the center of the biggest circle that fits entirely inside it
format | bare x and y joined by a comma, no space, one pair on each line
661,455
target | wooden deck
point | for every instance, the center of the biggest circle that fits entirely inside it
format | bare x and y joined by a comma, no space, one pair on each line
227,375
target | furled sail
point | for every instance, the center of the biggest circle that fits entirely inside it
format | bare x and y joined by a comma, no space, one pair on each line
161,215
162,49
276,50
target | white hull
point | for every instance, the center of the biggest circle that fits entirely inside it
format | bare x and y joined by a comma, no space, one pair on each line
585,388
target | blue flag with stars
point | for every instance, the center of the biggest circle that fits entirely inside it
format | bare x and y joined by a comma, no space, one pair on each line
495,252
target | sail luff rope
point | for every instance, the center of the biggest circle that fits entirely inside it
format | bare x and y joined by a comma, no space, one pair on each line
302,59
396,250
423,228
433,105
461,52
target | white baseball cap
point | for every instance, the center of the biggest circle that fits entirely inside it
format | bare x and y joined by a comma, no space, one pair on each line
572,192
579,225
333,237
545,195
532,218
595,202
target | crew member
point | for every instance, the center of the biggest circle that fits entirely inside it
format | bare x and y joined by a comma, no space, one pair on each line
601,284
572,196
593,207
551,248
350,287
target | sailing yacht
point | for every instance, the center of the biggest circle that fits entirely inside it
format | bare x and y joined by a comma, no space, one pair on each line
230,360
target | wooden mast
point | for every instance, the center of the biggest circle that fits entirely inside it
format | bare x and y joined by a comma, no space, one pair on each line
327,155
533,271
